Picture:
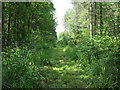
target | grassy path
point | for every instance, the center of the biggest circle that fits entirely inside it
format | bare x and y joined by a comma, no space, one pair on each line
64,73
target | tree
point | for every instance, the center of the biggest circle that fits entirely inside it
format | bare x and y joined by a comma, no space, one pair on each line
91,22
23,23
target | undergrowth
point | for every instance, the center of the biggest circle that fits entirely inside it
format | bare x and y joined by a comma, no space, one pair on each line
90,64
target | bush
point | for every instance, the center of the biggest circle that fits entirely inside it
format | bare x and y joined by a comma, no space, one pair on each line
104,68
99,58
19,69
71,53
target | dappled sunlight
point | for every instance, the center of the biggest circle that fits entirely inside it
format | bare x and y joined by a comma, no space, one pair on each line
84,55
64,72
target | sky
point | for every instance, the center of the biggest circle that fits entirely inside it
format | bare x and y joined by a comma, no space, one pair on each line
61,7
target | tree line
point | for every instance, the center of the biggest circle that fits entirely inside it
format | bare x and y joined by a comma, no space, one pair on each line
23,23
92,38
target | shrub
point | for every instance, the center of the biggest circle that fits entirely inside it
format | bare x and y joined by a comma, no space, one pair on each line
19,69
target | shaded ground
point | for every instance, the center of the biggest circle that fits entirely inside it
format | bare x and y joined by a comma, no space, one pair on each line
64,73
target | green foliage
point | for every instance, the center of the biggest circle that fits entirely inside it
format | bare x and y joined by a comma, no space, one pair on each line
24,23
30,59
21,68
28,37
99,59
105,66
70,53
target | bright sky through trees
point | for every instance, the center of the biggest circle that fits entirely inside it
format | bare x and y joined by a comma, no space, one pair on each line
61,7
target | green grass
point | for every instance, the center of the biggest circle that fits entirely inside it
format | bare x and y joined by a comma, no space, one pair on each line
48,68
64,73
57,68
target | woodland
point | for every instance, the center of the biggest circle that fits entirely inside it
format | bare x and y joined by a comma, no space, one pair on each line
85,55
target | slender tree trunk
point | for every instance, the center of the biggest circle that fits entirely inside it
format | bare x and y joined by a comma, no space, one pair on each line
15,26
17,30
95,18
118,19
0,28
101,19
3,31
91,27
9,24
28,31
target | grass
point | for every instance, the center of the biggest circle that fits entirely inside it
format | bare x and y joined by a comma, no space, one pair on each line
44,69
58,68
64,73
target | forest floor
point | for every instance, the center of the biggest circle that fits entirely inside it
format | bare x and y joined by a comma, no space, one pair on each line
64,73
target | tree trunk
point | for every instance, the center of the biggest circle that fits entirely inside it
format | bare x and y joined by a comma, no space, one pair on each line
118,19
101,17
3,31
15,26
9,19
95,17
91,20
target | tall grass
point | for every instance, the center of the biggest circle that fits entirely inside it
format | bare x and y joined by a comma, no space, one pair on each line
22,67
99,59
